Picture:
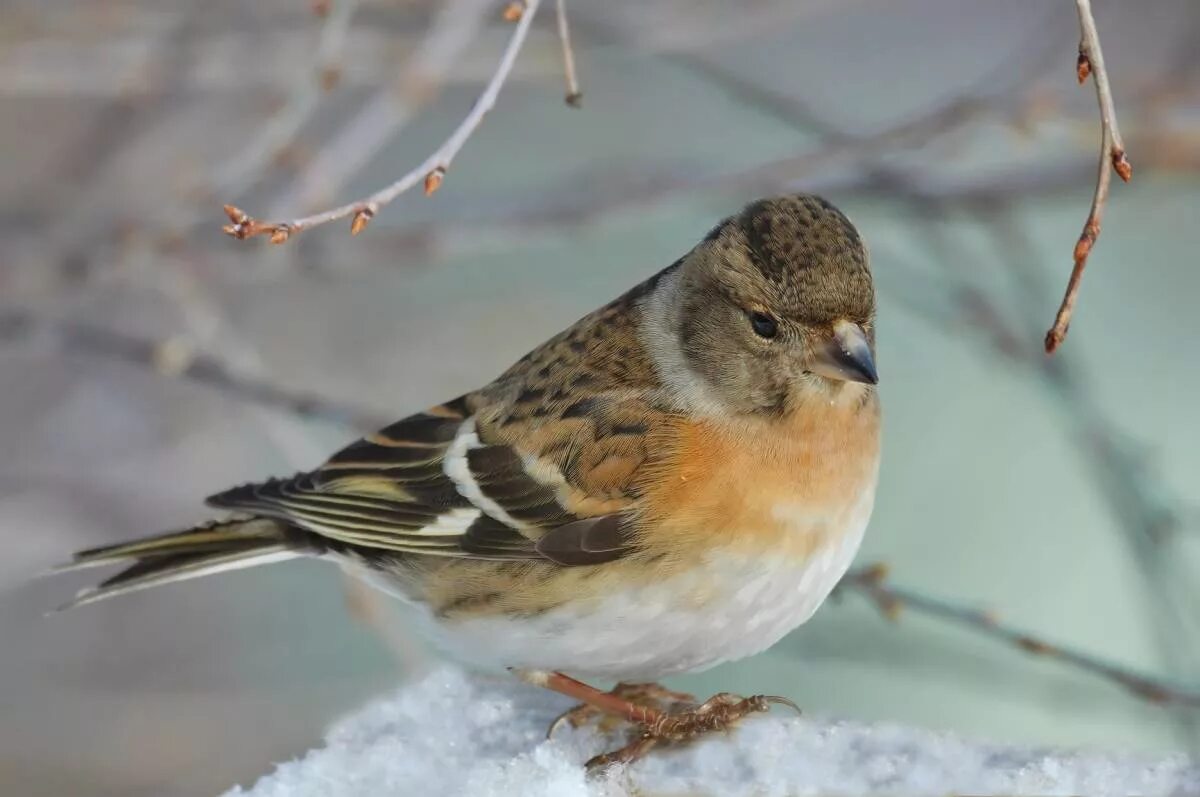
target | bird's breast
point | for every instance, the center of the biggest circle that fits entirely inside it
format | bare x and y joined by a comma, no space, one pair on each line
792,485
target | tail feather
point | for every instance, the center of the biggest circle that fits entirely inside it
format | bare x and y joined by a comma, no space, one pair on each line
200,539
182,555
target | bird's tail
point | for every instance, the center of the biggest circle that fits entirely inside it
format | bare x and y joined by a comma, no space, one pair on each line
180,555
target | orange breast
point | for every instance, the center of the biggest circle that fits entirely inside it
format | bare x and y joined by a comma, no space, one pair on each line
787,485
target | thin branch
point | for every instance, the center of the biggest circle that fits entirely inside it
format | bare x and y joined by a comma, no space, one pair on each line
392,107
574,96
430,172
1112,155
175,357
872,583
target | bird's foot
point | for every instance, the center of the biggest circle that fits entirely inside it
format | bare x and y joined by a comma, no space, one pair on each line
648,695
720,712
652,725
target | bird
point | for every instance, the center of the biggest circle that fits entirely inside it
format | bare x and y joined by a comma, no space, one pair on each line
678,479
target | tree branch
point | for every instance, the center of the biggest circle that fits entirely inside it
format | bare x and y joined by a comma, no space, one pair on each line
430,172
872,583
1112,155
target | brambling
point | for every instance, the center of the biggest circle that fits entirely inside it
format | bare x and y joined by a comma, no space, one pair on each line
677,480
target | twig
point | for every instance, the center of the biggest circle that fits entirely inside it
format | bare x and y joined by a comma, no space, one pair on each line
1112,154
872,582
574,96
430,172
381,118
176,358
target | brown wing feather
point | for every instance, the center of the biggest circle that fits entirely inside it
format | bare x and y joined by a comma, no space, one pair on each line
560,445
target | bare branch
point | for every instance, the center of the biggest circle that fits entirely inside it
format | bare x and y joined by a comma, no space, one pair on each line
1112,155
429,173
574,96
872,583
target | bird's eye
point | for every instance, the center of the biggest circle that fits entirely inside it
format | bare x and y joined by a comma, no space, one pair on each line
763,325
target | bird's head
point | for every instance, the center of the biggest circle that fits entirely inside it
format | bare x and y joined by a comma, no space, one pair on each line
777,304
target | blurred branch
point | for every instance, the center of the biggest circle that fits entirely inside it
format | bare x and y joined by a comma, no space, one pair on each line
176,358
430,172
1112,155
348,150
1144,508
72,224
574,96
205,323
992,96
872,583
239,172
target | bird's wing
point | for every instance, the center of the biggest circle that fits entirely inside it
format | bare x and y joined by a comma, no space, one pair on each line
518,477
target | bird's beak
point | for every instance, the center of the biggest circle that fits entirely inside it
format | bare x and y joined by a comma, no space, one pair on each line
846,356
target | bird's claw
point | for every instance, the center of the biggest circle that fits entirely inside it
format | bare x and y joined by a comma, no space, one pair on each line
720,712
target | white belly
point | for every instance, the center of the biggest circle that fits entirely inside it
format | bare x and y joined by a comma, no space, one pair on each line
731,607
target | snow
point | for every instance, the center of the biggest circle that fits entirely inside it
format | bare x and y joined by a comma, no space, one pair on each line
457,734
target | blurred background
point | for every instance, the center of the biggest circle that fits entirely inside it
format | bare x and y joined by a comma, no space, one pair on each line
147,360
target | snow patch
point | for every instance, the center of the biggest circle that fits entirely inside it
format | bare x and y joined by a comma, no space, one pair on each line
457,734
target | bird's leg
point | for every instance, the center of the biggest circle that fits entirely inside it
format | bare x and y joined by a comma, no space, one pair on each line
649,695
603,702
719,713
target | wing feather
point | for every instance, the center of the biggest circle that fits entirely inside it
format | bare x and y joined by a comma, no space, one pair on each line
452,482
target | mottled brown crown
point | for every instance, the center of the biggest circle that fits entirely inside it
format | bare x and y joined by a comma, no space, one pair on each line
808,252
